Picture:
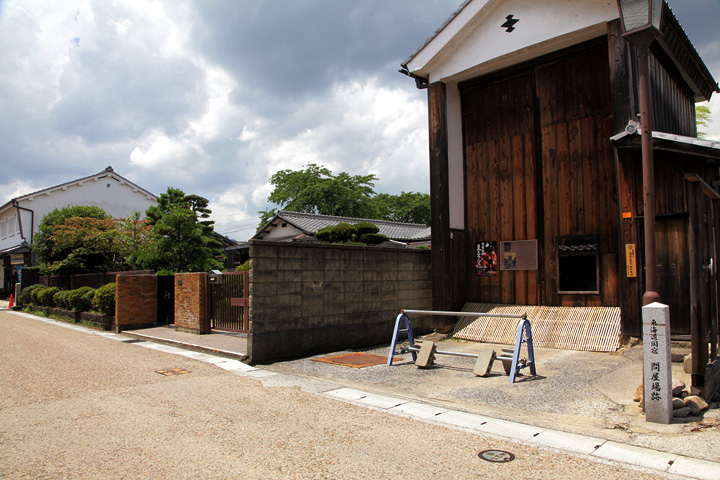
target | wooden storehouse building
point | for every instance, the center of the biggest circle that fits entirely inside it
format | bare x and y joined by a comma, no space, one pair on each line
535,161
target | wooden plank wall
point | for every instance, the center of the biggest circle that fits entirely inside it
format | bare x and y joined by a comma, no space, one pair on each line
579,183
539,164
671,237
500,177
673,101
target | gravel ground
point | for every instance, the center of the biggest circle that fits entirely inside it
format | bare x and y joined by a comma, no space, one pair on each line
74,405
580,392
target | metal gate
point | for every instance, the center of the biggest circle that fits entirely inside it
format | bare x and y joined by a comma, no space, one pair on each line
229,303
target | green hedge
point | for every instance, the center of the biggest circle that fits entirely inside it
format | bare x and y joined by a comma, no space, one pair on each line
26,296
79,301
61,299
104,300
46,296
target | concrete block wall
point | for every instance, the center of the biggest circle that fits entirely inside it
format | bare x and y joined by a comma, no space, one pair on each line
313,298
135,302
190,303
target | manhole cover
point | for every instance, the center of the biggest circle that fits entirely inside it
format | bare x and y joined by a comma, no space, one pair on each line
496,456
172,371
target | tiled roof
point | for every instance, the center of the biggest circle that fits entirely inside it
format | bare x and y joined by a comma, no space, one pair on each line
311,223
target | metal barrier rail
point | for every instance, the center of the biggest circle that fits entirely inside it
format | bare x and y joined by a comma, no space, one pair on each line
466,314
523,330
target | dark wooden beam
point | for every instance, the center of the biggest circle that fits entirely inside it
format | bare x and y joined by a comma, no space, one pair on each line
439,198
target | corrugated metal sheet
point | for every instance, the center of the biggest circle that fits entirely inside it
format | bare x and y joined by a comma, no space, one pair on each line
595,329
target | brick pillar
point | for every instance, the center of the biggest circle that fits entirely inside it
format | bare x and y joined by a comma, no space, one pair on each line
135,302
191,303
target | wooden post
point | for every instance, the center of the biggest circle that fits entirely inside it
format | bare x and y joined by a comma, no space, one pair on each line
440,202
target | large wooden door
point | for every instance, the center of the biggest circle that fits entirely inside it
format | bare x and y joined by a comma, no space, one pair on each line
501,188
539,166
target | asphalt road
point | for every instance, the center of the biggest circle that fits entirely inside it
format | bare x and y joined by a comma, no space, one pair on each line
74,405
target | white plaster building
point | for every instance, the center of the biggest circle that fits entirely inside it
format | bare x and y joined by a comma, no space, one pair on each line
20,217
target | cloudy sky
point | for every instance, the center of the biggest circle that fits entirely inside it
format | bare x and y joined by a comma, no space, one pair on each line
214,96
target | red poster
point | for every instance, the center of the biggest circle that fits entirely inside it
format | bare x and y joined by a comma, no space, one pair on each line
486,260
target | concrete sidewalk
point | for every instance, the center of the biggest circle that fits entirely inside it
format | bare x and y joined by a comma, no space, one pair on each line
227,344
580,402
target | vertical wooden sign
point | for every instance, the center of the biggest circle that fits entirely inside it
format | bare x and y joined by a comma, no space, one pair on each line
631,260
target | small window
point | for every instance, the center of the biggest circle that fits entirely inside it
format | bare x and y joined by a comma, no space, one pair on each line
11,226
578,264
3,229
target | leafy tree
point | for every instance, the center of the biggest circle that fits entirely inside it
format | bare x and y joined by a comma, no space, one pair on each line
183,238
408,207
88,244
702,118
44,244
137,240
316,190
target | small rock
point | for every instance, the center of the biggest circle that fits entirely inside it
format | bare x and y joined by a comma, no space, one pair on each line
687,364
678,403
638,393
678,387
681,412
695,403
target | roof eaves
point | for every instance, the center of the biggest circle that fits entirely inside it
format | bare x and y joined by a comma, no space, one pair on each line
676,41
106,172
435,33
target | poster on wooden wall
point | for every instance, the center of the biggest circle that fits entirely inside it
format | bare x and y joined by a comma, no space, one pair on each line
486,260
519,255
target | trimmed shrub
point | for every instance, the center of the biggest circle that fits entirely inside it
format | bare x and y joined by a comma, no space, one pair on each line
365,227
46,297
77,301
61,299
34,294
324,234
104,301
340,233
244,267
26,296
88,297
372,238
164,273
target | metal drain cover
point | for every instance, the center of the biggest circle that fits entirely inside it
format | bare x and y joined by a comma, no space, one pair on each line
496,456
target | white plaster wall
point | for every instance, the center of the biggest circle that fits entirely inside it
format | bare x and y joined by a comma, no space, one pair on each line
475,43
117,199
282,232
9,235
